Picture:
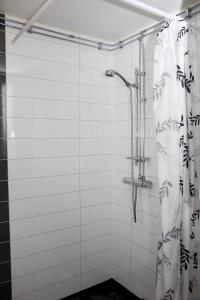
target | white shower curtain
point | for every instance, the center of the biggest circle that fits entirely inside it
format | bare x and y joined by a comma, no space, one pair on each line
177,116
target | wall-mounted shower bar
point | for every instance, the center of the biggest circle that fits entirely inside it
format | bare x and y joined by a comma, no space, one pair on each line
38,30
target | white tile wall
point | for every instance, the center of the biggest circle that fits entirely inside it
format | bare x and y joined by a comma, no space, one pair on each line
60,167
68,136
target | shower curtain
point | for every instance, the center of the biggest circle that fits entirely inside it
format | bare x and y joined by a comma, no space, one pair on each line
177,117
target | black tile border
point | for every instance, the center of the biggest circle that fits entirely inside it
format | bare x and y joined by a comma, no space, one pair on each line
103,289
4,232
5,264
5,290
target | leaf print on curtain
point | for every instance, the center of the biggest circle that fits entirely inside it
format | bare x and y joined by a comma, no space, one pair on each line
177,117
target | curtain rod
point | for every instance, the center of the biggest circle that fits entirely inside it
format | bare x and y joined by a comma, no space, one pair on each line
38,30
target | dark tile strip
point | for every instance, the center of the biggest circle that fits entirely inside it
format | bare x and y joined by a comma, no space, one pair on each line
5,272
5,265
5,252
4,232
109,289
5,290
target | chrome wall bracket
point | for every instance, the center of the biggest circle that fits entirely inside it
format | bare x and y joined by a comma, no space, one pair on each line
138,158
137,182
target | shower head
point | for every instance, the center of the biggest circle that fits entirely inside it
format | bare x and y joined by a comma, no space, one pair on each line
111,73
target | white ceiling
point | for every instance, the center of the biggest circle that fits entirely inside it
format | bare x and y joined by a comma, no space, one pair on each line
97,18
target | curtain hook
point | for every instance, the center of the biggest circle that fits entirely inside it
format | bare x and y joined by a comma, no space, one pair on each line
188,13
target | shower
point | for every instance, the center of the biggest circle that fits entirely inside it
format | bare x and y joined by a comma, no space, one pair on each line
139,158
112,73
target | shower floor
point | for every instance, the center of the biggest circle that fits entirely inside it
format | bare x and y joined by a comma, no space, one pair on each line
108,290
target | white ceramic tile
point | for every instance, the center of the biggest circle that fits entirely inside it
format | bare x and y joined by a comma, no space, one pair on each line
122,261
28,168
94,230
95,164
94,77
44,242
95,94
95,180
121,164
96,197
42,128
144,257
149,204
94,129
46,109
42,69
30,148
41,261
122,245
148,223
121,129
56,51
122,229
30,207
149,44
145,240
96,276
46,223
45,278
122,111
121,94
149,64
25,188
95,146
122,213
96,245
149,88
143,274
121,146
95,261
55,291
41,89
122,57
95,59
122,197
95,213
92,111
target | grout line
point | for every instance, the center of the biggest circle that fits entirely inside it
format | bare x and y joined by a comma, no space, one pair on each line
58,175
62,246
58,282
59,138
133,259
40,99
137,228
69,192
58,81
60,229
76,65
132,276
139,210
57,119
65,262
59,156
58,212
